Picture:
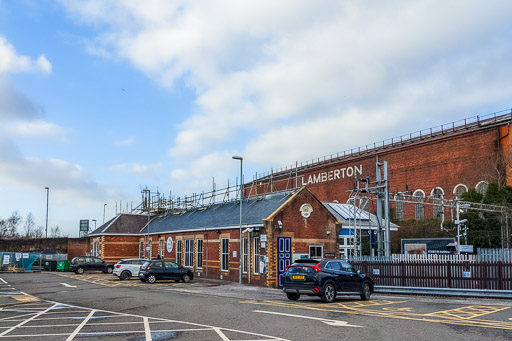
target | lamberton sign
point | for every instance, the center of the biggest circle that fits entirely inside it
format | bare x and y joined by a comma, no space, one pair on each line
335,174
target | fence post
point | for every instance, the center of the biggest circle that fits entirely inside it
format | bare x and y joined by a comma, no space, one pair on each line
500,275
449,273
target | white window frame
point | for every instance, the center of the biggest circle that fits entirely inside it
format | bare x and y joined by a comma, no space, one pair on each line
141,249
162,248
179,255
419,205
400,207
256,255
189,253
224,255
457,187
321,251
244,255
199,254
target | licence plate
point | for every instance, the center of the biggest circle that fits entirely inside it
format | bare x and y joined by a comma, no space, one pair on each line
298,277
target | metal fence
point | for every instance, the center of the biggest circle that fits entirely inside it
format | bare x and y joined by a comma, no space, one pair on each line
457,274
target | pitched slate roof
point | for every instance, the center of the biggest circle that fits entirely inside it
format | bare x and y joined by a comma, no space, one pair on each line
122,224
221,215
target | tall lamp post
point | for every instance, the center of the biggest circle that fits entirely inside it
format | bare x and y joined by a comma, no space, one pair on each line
47,198
104,205
94,223
241,193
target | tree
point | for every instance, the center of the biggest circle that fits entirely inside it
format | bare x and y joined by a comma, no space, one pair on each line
39,232
485,228
9,226
29,226
55,232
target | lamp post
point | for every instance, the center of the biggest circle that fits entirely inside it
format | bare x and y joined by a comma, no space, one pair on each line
241,193
94,223
104,205
47,198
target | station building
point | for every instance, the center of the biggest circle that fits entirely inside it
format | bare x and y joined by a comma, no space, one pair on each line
275,229
295,212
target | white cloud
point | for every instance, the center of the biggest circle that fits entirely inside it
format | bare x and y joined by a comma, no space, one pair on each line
136,168
11,62
291,80
38,129
126,142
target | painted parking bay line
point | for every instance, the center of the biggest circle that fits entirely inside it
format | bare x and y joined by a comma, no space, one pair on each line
336,323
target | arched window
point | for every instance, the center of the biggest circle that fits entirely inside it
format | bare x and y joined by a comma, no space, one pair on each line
481,187
437,199
459,190
400,207
419,206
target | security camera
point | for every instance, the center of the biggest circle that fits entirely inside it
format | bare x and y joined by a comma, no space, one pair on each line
280,224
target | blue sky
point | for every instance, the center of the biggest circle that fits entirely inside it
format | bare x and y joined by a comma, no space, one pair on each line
99,98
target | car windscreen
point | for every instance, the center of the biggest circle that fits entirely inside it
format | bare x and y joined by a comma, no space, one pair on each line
300,270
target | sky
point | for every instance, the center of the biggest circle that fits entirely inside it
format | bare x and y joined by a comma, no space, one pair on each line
100,98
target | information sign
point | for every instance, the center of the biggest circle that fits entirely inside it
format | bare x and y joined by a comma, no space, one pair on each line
84,225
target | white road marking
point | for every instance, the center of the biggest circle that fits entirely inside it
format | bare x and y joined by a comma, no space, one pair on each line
147,330
221,334
336,323
72,336
3,281
27,320
68,285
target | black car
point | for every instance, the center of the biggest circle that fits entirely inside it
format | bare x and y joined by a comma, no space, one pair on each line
164,269
84,263
325,278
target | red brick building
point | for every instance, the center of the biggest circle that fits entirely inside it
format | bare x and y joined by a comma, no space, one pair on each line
275,228
437,163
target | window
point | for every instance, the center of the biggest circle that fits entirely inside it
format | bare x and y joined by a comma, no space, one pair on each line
162,248
400,207
171,265
346,267
244,259
316,251
224,266
199,254
178,251
96,248
437,198
333,266
256,262
481,187
459,190
141,250
189,252
419,206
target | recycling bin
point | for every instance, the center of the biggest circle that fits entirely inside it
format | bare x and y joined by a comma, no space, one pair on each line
63,265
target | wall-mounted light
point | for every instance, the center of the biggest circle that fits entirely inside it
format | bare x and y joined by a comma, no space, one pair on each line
280,224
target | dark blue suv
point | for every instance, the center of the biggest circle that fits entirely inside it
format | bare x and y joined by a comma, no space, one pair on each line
326,278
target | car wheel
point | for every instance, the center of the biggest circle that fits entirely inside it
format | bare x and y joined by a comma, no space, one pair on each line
79,270
292,296
366,292
125,275
151,278
186,278
329,294
109,270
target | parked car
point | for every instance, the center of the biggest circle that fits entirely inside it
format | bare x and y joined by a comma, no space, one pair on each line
85,263
126,268
162,269
326,278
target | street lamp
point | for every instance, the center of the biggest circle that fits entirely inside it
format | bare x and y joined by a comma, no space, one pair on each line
240,248
94,223
104,205
47,198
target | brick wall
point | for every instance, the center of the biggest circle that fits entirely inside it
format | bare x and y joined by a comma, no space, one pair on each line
464,158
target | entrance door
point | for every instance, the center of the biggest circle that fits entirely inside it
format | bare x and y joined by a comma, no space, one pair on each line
284,257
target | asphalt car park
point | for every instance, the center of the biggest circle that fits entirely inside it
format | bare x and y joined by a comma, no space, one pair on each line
186,310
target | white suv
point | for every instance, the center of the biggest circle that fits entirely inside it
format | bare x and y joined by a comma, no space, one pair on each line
126,268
